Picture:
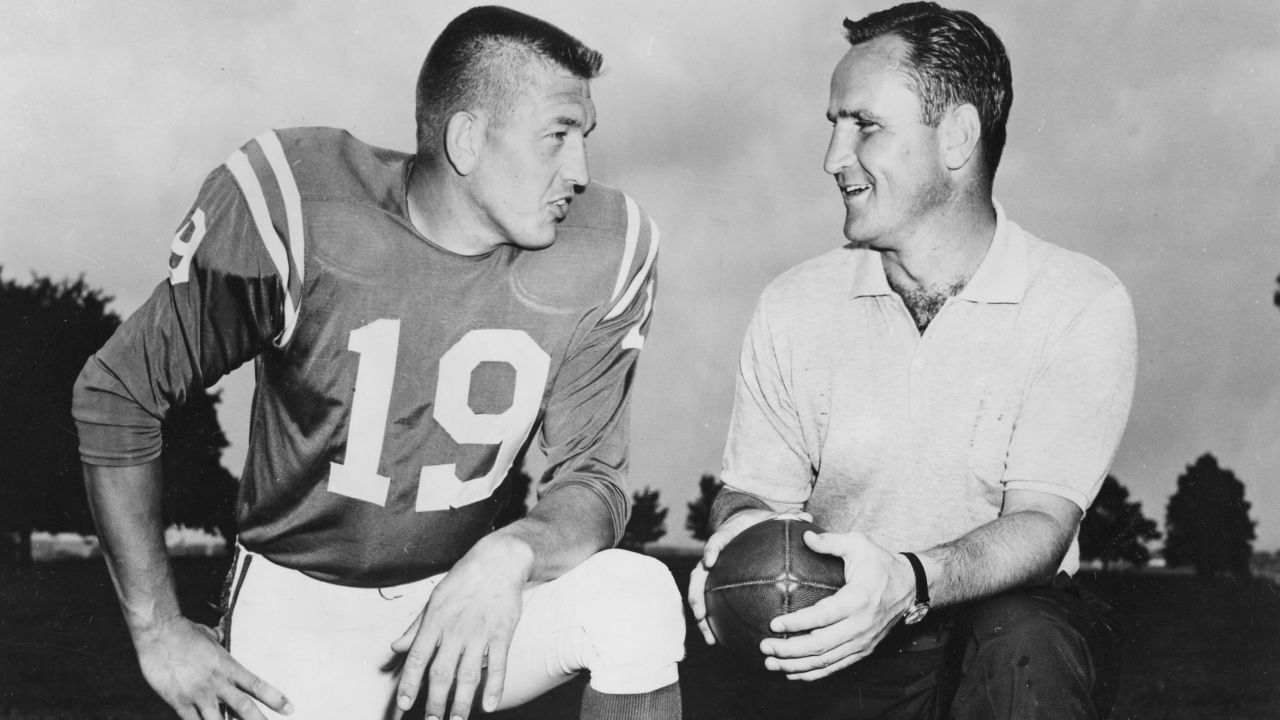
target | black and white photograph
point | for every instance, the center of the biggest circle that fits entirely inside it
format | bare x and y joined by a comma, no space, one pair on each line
640,361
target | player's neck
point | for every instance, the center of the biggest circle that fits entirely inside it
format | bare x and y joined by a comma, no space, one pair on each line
438,209
944,252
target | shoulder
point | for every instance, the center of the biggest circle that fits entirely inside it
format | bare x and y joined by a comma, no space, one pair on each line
814,282
323,163
605,252
1061,276
1066,288
604,214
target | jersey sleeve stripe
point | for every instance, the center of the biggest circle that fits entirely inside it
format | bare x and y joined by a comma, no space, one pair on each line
629,251
638,281
274,152
634,340
243,173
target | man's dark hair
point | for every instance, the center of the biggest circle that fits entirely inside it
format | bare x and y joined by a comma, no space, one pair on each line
480,61
954,59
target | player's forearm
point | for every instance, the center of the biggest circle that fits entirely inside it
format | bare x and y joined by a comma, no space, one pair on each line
729,501
565,527
126,508
1015,550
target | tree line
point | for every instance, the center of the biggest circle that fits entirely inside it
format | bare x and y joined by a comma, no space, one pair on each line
52,327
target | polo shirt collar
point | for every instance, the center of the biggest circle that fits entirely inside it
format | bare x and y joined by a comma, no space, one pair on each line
1000,278
1002,275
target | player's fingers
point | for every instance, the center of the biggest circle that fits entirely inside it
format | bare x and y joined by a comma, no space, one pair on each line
705,628
715,544
824,613
827,543
416,659
242,706
834,667
811,643
439,678
813,655
697,592
467,679
698,604
208,710
402,643
495,674
263,691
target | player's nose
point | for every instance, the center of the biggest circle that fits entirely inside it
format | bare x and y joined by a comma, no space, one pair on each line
576,170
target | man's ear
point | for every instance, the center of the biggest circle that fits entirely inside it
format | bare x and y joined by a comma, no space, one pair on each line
462,140
961,128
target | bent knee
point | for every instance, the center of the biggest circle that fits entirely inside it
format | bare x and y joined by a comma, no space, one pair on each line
635,594
1015,631
633,617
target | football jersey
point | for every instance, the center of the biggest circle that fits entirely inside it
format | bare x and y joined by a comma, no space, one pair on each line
395,380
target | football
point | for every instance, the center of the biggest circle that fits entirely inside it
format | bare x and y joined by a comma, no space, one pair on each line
764,572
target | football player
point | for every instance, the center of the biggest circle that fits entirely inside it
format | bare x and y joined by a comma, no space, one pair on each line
412,320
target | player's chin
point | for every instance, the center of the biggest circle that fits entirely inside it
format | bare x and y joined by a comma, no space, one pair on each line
537,239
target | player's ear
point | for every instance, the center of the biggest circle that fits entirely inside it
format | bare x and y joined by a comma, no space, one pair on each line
959,132
462,137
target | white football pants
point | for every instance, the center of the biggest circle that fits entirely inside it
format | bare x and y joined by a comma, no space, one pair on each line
327,647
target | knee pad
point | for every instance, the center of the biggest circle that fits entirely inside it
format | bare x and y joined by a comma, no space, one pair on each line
633,621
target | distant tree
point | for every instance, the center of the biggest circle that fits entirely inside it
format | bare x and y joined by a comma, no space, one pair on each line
698,522
50,329
1207,523
647,523
1116,529
1275,298
198,491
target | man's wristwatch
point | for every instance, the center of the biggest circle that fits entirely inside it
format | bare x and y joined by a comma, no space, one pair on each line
920,607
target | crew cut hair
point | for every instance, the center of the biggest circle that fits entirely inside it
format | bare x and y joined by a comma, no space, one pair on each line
480,62
954,59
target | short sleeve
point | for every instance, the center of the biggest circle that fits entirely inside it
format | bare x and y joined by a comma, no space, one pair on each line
765,454
1076,408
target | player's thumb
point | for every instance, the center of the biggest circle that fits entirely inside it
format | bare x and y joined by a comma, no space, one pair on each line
405,641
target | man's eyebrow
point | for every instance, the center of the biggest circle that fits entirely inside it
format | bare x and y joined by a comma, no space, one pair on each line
573,122
860,115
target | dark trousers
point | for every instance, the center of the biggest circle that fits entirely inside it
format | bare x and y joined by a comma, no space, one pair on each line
1045,652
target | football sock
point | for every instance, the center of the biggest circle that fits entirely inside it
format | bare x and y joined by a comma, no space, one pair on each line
661,704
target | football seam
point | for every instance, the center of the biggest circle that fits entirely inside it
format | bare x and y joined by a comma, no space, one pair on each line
786,559
748,583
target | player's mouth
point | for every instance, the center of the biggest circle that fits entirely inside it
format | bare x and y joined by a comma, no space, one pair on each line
560,207
854,190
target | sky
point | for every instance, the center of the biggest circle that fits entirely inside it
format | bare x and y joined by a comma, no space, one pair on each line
1142,134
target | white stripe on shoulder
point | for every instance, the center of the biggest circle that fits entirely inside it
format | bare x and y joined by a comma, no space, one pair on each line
251,189
638,281
634,339
628,252
271,147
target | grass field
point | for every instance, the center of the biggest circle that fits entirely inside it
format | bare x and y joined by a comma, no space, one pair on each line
1194,649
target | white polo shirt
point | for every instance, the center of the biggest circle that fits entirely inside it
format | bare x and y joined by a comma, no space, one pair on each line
1022,381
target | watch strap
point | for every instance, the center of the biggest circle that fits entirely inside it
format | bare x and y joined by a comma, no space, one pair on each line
922,582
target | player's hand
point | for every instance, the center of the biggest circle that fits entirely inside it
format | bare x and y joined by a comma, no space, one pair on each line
736,523
840,630
462,636
188,668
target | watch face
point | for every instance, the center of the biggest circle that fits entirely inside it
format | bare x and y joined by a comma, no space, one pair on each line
916,613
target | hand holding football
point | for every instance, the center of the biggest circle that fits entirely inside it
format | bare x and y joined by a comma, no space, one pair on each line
764,572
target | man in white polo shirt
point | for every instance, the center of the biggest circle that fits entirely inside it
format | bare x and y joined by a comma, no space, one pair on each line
944,395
